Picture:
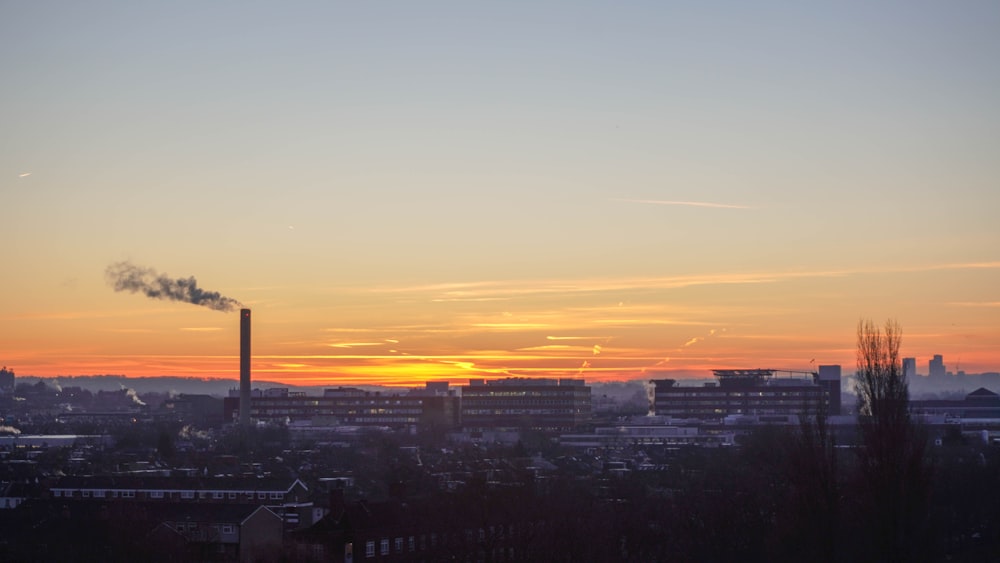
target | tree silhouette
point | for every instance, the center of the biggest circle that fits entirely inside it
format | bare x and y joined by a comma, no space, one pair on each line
893,473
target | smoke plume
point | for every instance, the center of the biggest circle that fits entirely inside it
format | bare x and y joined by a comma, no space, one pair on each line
130,393
125,276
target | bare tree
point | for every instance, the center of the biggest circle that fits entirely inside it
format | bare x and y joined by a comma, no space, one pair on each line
881,386
894,474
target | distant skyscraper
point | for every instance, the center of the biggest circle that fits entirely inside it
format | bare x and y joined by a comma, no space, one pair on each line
6,380
935,367
909,368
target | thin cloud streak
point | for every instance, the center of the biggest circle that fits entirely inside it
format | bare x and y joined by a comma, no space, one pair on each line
684,203
524,288
975,303
74,315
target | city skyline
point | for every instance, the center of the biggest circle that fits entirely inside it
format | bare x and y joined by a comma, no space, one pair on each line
412,193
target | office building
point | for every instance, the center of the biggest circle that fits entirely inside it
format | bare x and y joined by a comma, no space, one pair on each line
348,406
909,368
756,392
525,403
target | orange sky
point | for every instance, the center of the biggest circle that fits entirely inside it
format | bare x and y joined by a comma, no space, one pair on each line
599,329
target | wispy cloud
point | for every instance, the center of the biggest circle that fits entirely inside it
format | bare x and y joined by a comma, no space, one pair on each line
514,326
527,288
468,299
24,175
684,203
354,344
975,303
73,315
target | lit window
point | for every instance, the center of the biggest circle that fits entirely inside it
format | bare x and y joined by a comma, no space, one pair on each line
227,528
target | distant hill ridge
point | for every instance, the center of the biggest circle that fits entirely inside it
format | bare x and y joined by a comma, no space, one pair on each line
164,384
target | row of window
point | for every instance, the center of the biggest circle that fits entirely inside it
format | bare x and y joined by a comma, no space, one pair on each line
720,412
193,526
103,493
720,395
431,540
473,412
327,403
330,412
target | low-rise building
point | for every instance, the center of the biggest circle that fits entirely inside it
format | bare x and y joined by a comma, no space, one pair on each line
288,498
981,403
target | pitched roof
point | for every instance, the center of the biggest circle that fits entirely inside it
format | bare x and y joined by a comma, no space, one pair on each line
982,393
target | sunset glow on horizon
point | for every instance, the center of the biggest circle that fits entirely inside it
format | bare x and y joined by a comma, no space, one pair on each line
406,193
599,329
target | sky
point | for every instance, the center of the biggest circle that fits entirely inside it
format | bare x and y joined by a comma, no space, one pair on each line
415,191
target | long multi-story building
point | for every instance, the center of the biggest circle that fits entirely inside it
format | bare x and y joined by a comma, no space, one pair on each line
288,498
525,403
750,392
353,407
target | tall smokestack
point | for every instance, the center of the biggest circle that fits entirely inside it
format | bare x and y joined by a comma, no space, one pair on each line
244,367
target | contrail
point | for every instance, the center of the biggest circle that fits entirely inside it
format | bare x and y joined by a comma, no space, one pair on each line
125,276
688,203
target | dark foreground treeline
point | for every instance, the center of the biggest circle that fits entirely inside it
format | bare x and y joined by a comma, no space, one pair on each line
783,495
783,498
780,497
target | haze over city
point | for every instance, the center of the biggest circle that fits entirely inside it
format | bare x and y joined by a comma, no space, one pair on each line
439,191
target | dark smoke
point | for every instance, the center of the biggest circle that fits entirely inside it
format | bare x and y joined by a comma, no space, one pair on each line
125,276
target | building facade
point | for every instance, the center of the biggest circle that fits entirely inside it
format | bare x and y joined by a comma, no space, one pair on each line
349,406
287,498
6,380
525,404
749,392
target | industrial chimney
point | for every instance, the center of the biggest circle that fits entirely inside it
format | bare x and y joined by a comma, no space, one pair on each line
244,367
